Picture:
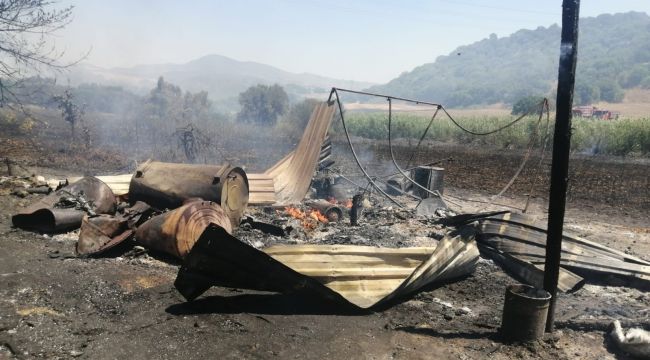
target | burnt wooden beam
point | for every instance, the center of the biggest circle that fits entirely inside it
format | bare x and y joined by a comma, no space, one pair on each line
561,149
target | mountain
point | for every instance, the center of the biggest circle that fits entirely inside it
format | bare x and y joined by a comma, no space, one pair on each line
613,54
220,76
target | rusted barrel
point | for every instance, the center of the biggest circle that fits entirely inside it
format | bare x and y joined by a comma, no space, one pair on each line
49,215
167,185
524,313
176,231
429,177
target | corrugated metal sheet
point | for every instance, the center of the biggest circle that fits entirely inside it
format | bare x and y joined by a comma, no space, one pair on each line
358,276
292,175
519,243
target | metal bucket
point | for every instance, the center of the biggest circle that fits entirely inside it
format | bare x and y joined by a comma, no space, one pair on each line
524,313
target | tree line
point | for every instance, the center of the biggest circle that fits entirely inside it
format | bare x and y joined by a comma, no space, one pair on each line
613,55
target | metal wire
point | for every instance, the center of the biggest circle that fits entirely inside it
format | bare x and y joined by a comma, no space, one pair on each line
495,130
354,153
531,143
424,134
543,105
392,155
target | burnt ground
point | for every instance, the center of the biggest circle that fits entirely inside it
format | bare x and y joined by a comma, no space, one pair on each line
54,305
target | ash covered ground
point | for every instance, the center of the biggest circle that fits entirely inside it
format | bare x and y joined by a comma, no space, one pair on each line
124,305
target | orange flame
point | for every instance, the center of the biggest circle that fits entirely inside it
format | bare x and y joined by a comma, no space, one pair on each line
318,216
348,204
309,220
295,212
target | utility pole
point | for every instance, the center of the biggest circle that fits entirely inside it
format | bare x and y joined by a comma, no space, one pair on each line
561,148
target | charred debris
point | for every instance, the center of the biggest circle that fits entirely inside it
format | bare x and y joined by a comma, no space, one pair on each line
302,228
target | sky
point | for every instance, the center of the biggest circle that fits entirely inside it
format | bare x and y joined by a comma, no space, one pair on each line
360,40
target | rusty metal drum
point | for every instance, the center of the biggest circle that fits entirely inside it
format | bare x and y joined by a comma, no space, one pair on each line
168,185
176,231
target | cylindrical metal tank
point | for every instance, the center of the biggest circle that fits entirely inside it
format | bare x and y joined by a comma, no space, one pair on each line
167,185
176,231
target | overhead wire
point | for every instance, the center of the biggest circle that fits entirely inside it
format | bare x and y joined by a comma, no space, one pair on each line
392,156
354,153
542,105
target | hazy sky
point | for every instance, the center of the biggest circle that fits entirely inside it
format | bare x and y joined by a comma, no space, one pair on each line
358,40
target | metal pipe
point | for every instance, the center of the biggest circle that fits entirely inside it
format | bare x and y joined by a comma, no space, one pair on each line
561,148
384,96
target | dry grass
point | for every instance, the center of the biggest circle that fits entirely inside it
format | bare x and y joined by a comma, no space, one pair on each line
636,104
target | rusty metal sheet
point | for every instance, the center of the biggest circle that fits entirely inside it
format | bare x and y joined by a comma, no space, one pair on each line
47,216
176,231
293,173
168,185
532,274
104,232
355,276
101,233
526,222
262,189
521,242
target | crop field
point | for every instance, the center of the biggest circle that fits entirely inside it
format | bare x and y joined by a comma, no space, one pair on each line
625,136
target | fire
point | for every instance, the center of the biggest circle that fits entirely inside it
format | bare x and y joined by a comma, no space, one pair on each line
317,215
348,204
295,213
309,220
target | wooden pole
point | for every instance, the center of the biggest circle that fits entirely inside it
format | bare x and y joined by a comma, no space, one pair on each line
561,148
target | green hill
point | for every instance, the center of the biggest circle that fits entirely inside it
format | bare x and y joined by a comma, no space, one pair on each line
613,54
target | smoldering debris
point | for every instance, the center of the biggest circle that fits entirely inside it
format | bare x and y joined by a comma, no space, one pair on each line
261,231
64,209
360,276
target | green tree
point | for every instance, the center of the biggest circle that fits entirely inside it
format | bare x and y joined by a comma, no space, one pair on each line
611,91
526,104
586,93
262,104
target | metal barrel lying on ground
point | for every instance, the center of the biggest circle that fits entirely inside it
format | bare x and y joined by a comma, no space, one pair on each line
168,185
64,209
175,232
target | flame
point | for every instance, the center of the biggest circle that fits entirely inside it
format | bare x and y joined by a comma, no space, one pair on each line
295,212
309,220
318,216
348,204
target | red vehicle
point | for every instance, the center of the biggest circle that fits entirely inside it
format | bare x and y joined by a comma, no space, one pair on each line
594,113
